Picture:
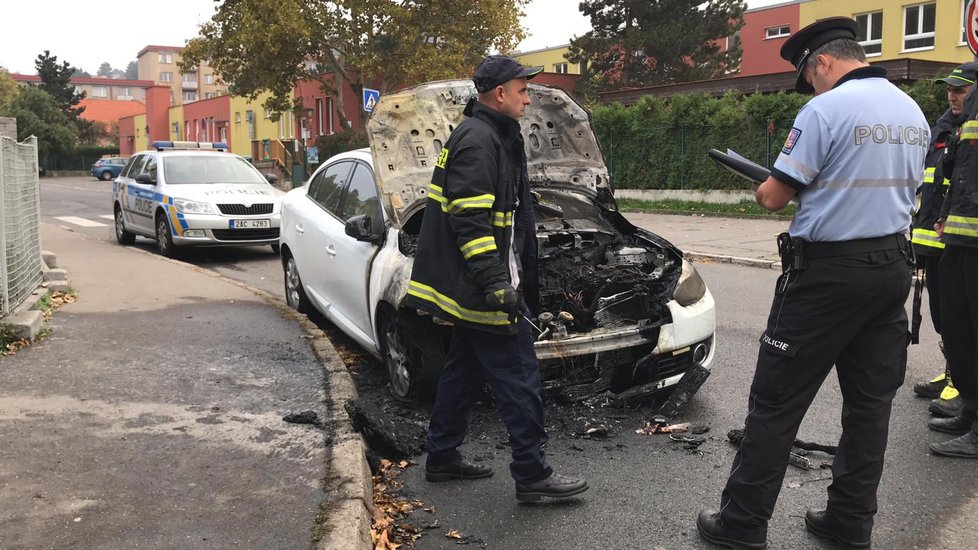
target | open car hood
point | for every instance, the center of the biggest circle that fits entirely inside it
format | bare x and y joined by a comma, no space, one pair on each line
409,128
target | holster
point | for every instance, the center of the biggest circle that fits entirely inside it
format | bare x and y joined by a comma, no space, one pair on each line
792,253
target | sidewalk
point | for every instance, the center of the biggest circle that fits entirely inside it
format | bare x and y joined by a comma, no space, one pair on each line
744,241
152,414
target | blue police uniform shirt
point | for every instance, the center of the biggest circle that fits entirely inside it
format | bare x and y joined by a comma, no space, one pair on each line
855,156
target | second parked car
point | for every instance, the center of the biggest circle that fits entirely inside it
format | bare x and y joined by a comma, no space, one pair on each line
189,194
108,168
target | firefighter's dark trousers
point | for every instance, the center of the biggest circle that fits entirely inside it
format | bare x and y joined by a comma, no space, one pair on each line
845,311
932,275
510,366
959,321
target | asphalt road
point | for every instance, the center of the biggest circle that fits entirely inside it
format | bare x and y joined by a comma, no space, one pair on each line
646,490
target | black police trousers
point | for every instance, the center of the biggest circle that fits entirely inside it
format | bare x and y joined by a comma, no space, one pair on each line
510,366
844,311
959,321
932,275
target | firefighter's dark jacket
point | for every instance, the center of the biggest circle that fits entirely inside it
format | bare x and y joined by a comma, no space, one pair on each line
466,234
925,240
960,208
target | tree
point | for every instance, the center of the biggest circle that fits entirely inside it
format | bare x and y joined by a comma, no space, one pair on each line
8,88
260,45
38,114
105,69
647,42
132,70
56,81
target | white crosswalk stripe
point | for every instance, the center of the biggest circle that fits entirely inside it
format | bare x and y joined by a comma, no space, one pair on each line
81,221
107,216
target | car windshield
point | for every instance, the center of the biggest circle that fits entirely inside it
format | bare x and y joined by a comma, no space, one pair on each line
209,169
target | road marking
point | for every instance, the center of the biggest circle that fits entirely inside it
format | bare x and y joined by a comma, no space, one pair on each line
81,221
107,216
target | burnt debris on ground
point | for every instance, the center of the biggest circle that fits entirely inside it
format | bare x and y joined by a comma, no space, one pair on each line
800,454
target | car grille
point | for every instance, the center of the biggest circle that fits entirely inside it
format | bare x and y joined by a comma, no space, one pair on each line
242,210
245,234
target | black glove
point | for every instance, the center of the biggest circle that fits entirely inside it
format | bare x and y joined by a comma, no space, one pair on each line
503,297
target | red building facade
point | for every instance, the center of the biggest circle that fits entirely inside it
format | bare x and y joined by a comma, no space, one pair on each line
764,32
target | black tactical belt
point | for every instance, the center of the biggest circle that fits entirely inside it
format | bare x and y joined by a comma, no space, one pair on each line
828,249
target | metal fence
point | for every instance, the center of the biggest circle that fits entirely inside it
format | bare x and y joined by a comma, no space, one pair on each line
20,222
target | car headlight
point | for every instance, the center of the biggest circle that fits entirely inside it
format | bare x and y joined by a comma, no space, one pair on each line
192,207
691,286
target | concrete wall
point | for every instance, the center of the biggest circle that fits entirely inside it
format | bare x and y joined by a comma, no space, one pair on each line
8,127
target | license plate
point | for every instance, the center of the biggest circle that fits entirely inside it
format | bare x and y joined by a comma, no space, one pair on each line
251,224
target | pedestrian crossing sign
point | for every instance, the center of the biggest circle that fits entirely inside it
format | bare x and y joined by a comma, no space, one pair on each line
370,98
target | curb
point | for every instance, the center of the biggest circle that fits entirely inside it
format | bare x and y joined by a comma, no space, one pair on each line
736,260
27,322
347,509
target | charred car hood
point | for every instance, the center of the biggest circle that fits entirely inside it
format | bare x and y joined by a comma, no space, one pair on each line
409,128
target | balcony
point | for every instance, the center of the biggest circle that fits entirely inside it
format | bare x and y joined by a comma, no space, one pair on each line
188,85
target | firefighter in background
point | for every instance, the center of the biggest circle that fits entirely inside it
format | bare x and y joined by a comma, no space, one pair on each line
927,246
957,227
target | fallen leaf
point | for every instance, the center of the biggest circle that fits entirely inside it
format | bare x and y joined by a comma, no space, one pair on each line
454,534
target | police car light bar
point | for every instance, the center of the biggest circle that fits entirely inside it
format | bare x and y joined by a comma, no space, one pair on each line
201,145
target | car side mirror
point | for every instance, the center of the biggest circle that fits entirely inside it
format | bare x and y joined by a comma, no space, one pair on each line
271,178
361,228
145,179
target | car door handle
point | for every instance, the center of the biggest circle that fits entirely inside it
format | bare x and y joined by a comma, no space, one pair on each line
330,250
299,228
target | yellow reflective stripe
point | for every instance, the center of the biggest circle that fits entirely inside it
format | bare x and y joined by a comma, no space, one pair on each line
926,237
502,219
434,193
442,158
969,130
946,182
961,225
929,175
478,201
451,307
478,246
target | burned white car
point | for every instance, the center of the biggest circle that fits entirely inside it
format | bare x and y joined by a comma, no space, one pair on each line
617,308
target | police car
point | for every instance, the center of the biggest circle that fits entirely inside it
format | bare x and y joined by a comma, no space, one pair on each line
195,194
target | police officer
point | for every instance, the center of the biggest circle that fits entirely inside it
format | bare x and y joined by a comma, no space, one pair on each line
854,158
928,248
958,229
467,271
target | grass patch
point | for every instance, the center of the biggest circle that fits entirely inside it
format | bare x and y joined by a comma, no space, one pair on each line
675,206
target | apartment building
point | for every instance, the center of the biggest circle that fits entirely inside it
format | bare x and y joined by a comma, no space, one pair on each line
160,64
98,88
552,60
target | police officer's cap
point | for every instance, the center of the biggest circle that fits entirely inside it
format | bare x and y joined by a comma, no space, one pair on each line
499,69
800,47
962,75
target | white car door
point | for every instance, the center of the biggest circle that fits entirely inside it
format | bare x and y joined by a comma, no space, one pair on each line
137,198
349,260
317,225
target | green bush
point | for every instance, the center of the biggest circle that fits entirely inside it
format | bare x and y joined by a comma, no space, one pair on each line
662,143
81,158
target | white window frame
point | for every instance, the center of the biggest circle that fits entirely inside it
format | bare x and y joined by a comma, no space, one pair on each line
190,95
329,118
208,79
208,95
100,91
188,77
124,92
786,28
165,57
166,76
869,32
920,25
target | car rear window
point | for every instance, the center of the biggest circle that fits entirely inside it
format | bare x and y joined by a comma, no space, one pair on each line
209,169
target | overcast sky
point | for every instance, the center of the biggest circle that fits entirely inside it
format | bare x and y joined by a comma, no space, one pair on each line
88,33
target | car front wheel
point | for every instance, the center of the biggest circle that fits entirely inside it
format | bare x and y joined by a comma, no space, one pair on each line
295,296
164,237
121,234
396,353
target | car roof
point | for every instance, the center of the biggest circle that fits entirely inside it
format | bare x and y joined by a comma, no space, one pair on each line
356,154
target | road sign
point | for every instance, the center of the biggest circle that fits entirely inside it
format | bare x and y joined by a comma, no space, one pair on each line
971,25
370,98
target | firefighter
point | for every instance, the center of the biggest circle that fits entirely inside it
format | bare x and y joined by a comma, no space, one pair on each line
477,232
928,248
957,228
854,158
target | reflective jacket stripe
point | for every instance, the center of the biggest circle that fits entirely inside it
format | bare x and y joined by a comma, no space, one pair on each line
502,219
478,201
434,193
969,130
929,175
926,237
961,225
478,246
450,306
